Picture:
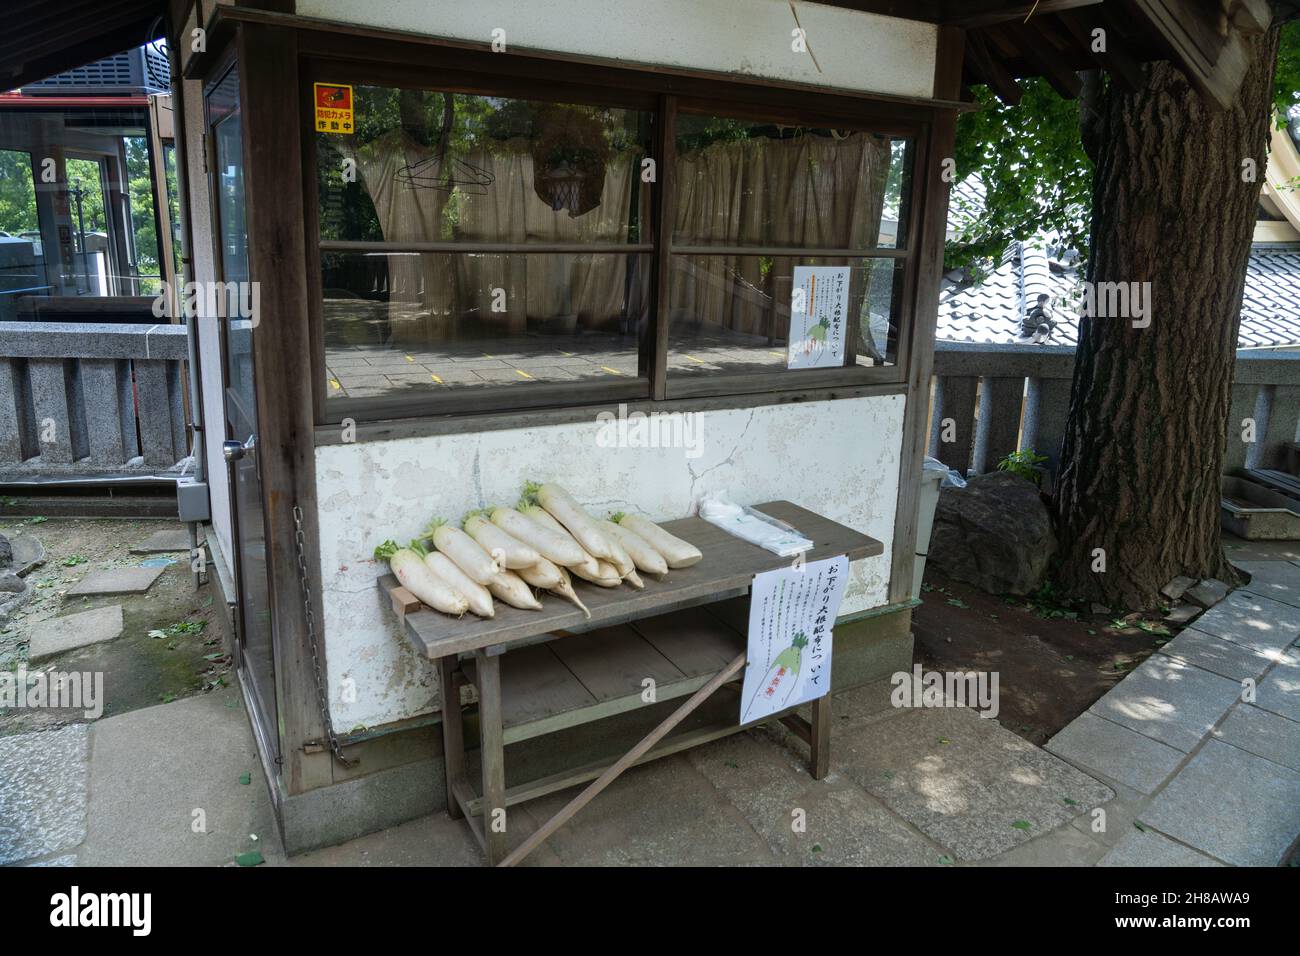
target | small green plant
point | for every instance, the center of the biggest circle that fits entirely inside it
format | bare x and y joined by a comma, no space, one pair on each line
1025,464
72,560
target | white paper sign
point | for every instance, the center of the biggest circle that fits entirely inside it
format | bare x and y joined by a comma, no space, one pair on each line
819,312
791,613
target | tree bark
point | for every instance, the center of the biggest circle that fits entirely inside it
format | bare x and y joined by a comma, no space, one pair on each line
1146,431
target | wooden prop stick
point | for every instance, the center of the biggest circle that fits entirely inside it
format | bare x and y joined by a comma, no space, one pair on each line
605,779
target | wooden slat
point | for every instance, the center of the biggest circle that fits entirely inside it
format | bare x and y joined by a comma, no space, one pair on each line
535,686
733,613
612,663
695,641
727,569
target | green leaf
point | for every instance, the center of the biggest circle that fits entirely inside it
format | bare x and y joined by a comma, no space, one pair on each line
251,858
1021,825
946,860
245,778
1069,802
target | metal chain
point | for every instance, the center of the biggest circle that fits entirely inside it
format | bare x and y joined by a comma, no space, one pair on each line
321,697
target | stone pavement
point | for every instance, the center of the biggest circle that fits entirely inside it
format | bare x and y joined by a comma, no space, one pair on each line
1172,767
1202,742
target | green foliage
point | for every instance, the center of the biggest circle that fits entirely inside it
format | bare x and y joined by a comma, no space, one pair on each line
17,195
1025,464
1031,160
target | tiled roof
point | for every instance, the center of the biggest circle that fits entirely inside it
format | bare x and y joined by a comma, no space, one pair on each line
991,310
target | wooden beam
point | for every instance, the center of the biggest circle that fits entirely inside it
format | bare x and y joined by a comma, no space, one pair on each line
978,13
987,67
1116,58
1046,59
1214,63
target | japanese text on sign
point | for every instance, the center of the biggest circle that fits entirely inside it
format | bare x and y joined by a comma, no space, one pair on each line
791,614
819,307
333,108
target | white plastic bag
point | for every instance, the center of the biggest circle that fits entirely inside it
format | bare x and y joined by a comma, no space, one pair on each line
753,526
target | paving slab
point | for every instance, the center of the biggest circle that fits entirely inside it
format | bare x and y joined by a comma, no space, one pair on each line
42,792
166,541
1279,691
1252,621
59,634
1148,848
842,825
661,814
434,840
1279,580
1263,734
1219,655
1233,805
115,581
151,785
1169,701
965,781
1123,755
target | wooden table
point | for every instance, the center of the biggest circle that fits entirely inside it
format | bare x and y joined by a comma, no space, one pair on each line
686,634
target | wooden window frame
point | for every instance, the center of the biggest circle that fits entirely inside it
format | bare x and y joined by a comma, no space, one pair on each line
663,96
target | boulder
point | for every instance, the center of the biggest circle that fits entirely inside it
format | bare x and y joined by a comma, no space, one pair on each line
6,552
995,534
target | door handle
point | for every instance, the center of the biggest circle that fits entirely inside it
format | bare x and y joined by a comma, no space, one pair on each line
235,450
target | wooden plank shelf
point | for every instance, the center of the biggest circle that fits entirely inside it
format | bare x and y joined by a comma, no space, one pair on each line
726,571
586,677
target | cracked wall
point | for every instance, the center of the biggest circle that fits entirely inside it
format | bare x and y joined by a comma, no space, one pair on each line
838,458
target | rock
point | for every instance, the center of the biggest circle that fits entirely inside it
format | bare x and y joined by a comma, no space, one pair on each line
6,552
11,583
995,534
1208,593
1182,612
1099,608
1175,588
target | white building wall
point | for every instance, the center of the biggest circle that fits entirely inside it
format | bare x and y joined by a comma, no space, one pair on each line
852,50
839,458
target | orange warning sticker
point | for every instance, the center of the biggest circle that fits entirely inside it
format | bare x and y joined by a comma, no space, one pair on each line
333,108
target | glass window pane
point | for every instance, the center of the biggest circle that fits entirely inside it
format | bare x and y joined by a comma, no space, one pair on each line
224,112
733,313
443,167
20,235
430,323
742,182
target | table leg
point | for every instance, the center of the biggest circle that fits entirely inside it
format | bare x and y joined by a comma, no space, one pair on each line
453,732
492,753
819,763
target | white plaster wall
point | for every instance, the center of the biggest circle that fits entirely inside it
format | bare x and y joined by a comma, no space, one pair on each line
854,50
200,227
838,458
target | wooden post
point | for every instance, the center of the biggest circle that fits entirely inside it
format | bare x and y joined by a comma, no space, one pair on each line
453,732
819,763
269,91
492,754
932,190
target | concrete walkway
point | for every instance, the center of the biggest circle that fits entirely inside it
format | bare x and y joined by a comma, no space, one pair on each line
1172,766
1202,742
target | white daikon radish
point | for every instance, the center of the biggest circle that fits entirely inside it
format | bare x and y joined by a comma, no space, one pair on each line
605,575
544,574
678,553
535,512
634,579
476,595
464,550
409,568
645,557
576,521
506,549
510,587
565,590
556,546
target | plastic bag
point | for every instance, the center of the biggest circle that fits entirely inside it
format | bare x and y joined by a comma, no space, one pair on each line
777,536
951,476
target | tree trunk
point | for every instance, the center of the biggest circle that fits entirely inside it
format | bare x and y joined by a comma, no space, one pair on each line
1146,431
